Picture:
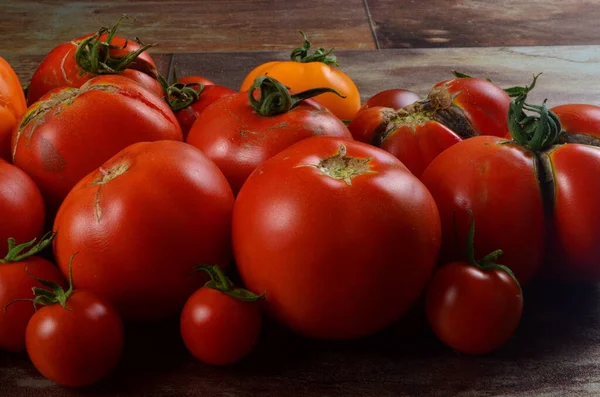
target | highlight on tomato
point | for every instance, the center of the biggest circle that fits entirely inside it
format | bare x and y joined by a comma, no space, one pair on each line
305,71
340,236
241,131
12,106
73,63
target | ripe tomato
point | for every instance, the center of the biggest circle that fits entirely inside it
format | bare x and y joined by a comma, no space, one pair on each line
220,324
73,63
22,214
73,131
579,118
140,222
304,72
16,284
189,96
474,307
12,106
339,234
76,339
239,134
369,123
395,98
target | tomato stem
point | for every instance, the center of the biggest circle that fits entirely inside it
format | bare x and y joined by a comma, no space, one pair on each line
56,294
220,282
18,253
178,95
301,54
275,97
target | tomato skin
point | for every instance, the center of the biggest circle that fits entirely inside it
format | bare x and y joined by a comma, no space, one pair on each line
59,68
82,128
300,76
471,310
332,264
22,211
573,251
139,234
579,118
365,125
210,93
219,329
395,98
195,79
238,140
417,144
497,182
12,106
15,283
76,347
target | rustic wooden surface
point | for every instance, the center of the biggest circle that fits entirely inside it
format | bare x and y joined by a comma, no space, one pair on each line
381,44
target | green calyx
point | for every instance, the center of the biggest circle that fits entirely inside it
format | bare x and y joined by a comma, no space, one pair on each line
275,98
537,131
179,95
93,55
489,261
301,54
220,282
20,252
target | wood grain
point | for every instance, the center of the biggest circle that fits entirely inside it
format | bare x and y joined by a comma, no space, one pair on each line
188,26
477,23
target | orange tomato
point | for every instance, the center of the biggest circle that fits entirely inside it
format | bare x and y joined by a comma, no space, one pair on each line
305,71
12,106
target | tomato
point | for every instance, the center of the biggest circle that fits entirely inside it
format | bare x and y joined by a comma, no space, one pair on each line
12,106
339,235
239,135
474,307
304,72
395,98
22,214
189,96
140,222
368,123
73,63
76,338
73,131
579,118
16,284
220,324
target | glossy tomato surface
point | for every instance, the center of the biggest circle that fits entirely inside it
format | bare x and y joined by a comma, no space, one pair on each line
340,236
579,118
141,222
394,98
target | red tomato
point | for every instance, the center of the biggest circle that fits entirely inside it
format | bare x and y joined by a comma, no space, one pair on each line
579,118
473,310
73,63
239,136
369,123
395,98
22,214
16,284
78,344
220,324
189,96
340,236
140,222
74,131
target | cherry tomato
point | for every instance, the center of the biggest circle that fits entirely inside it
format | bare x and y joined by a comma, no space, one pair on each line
220,324
395,98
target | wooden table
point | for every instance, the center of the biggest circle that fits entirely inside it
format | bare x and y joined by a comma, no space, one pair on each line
381,44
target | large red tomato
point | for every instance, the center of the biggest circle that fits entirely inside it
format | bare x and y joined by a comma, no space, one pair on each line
73,131
22,214
338,234
73,63
141,222
239,134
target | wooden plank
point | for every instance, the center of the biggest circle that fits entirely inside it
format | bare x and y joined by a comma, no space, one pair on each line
477,23
188,26
554,352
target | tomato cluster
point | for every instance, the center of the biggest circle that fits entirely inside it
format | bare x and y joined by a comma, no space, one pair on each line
337,217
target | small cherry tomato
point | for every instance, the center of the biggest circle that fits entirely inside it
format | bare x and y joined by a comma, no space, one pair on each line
474,307
220,324
76,339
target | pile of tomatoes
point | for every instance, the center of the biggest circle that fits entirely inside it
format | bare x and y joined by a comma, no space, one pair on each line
127,198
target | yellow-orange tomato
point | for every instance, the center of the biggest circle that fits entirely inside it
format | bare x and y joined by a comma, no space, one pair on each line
316,70
12,106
